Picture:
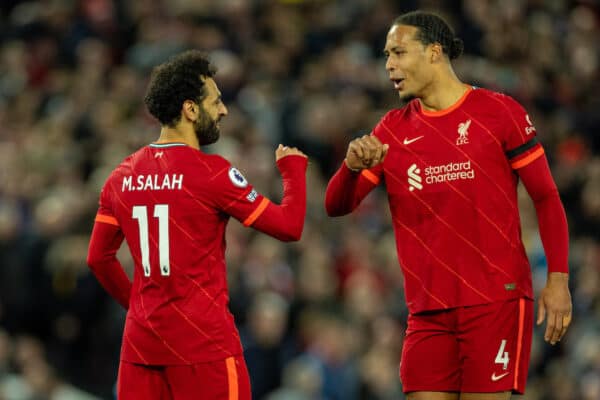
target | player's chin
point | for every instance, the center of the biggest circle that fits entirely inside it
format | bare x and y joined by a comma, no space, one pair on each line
209,138
405,95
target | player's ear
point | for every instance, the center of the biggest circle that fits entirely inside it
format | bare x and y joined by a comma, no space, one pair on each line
436,52
190,110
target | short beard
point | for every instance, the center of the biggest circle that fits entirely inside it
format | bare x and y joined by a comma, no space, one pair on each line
206,129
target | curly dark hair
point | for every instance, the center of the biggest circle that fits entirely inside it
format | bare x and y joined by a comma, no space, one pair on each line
433,29
175,81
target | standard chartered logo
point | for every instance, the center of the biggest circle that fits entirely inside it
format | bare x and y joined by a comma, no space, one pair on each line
439,174
414,178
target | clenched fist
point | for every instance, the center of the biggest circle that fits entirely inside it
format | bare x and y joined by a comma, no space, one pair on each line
365,152
284,151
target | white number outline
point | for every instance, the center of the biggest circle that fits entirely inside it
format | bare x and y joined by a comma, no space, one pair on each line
161,211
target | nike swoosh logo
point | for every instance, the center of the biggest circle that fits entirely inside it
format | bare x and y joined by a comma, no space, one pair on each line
497,378
409,141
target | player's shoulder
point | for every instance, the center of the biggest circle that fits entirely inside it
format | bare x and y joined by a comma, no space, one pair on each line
215,160
486,96
392,121
215,165
125,166
218,168
116,174
396,114
223,174
400,115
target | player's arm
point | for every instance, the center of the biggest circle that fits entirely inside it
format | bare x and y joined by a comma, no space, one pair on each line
102,259
286,220
555,299
526,156
357,176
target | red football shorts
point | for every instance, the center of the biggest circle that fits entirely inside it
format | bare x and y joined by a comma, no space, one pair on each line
480,349
219,380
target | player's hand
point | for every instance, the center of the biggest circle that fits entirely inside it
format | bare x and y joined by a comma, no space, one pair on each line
284,151
554,304
365,152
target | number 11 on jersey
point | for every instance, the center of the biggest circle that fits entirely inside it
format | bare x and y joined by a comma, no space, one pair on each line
161,211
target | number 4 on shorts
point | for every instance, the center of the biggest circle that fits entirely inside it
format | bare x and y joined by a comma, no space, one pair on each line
502,356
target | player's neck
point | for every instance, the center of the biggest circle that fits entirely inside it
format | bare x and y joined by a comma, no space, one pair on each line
443,93
179,134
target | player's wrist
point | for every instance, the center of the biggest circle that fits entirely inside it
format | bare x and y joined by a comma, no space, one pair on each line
292,161
557,277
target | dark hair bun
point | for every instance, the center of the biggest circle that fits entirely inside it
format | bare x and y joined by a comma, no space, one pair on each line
456,48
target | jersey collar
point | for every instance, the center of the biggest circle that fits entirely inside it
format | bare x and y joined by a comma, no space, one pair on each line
162,145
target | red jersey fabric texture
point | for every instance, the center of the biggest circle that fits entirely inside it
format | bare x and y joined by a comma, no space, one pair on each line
172,204
451,179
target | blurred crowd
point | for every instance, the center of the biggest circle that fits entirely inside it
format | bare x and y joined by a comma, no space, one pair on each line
321,319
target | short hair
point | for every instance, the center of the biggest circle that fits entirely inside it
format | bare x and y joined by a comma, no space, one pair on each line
433,29
175,81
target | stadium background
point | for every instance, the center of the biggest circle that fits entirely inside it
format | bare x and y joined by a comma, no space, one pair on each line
322,318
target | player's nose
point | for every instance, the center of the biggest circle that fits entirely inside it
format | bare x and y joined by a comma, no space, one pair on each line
223,110
389,65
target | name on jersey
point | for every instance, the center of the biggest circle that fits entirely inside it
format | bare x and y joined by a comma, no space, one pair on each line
152,182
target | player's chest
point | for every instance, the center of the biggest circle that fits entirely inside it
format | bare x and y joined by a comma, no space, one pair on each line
434,156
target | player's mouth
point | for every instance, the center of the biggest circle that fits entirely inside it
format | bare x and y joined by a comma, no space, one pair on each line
398,83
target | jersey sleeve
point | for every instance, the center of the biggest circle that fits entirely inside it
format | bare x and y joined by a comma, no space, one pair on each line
105,241
372,177
346,189
234,195
552,220
520,140
286,220
105,212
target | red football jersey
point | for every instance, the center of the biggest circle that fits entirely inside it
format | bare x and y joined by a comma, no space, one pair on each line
452,190
172,202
